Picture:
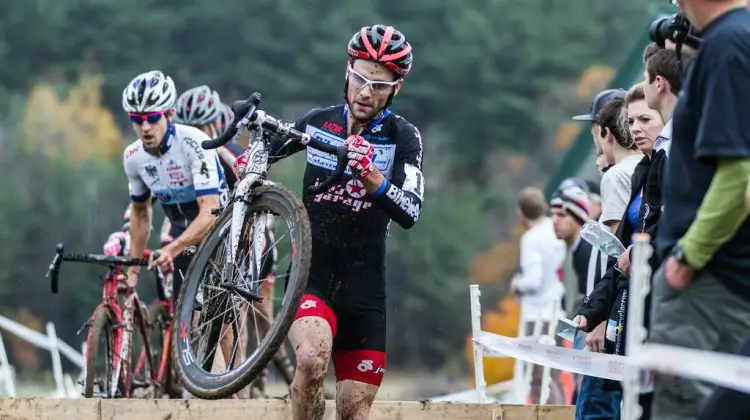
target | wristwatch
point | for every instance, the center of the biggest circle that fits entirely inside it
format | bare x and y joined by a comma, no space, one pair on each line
679,253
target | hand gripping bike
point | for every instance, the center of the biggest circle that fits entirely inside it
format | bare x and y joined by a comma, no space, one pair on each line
221,287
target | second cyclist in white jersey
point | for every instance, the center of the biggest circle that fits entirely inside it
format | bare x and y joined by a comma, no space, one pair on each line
168,162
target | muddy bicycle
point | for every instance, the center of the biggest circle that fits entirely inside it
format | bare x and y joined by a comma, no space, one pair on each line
123,367
222,283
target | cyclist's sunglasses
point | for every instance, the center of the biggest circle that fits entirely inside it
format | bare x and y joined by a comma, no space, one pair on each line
359,82
152,117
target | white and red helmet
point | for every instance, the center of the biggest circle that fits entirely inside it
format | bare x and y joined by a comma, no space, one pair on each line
197,106
226,116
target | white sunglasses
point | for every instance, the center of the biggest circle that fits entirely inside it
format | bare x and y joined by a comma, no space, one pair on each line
359,82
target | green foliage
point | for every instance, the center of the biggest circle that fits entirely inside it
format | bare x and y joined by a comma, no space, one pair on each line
482,67
427,271
481,70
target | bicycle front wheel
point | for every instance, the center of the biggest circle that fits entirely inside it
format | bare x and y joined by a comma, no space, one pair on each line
100,365
212,311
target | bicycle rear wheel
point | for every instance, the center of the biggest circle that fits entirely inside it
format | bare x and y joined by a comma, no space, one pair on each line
100,367
221,312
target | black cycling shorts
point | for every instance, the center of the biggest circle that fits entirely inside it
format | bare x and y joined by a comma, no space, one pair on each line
348,292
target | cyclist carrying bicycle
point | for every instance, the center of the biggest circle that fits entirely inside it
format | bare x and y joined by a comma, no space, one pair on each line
342,314
168,162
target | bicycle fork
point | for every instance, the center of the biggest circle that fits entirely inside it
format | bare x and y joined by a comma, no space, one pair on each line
239,210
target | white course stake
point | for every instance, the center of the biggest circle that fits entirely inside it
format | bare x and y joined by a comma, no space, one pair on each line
476,328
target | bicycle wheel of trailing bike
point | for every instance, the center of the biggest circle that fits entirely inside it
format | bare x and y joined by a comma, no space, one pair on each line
219,311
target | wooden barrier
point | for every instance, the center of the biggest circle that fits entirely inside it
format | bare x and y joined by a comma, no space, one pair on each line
92,409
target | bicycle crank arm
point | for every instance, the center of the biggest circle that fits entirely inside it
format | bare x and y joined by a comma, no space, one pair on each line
246,294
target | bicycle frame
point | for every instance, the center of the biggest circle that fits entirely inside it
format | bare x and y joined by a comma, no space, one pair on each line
248,116
254,174
122,332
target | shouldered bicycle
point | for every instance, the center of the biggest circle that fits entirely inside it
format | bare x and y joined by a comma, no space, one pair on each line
221,286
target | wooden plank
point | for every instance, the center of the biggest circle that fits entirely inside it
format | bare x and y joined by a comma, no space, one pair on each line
536,412
48,409
82,409
556,412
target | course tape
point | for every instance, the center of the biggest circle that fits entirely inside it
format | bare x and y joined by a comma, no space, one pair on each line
727,370
571,360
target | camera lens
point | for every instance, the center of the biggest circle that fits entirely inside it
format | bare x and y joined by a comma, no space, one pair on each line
659,31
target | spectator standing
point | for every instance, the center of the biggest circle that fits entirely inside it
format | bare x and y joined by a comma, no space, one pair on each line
701,293
538,285
593,402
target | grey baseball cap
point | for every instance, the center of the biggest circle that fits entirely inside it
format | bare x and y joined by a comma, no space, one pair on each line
600,100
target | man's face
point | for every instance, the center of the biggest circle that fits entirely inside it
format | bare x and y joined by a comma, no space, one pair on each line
651,90
595,138
367,99
150,127
606,144
566,228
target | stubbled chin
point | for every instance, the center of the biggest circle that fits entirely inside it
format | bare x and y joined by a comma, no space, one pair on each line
150,143
359,115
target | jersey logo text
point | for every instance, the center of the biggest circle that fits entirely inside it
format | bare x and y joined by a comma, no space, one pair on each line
340,194
404,202
332,127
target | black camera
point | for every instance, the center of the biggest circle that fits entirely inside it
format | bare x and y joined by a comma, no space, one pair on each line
676,28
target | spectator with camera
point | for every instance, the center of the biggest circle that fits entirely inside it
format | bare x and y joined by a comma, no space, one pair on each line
701,293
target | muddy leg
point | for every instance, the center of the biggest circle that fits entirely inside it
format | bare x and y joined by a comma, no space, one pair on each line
312,340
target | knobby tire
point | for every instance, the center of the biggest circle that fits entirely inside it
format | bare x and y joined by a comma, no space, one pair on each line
199,382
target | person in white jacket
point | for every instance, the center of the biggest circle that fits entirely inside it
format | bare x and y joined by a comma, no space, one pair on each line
538,285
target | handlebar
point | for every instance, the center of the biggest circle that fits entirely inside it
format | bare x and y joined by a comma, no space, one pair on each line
53,272
247,114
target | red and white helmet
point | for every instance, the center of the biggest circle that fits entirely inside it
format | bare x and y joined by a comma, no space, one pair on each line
382,44
197,106
226,116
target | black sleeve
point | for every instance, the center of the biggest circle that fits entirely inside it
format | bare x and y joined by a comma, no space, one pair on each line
724,129
401,197
596,306
278,151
